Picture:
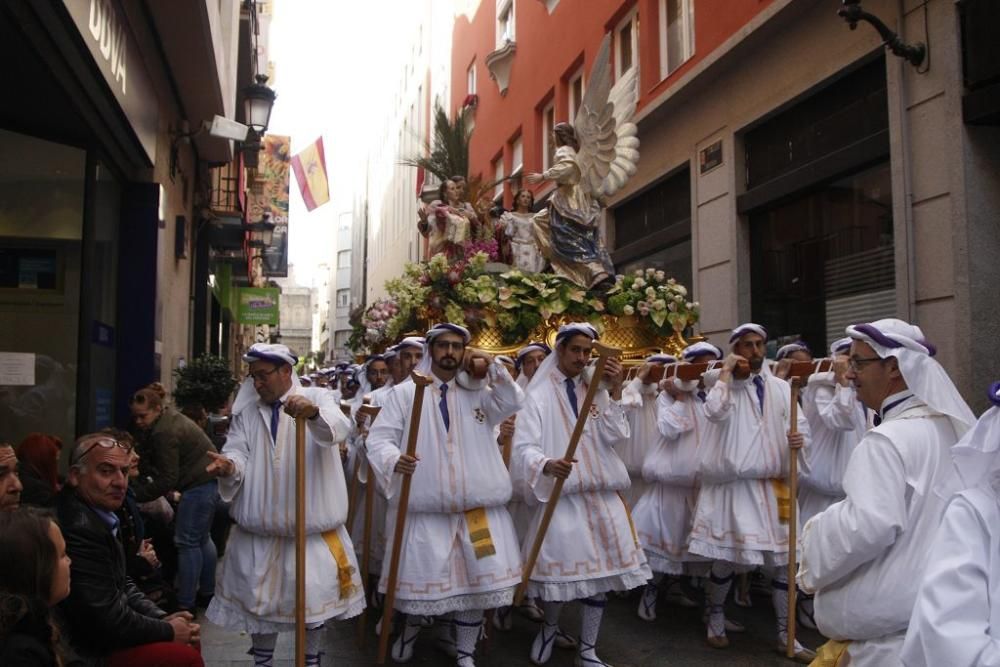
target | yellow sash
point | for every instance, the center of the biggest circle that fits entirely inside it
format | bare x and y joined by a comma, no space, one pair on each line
783,495
479,532
345,570
631,524
830,654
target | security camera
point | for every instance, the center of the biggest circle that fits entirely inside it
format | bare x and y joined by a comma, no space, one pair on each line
227,129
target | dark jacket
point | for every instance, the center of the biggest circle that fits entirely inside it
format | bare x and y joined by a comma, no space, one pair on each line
104,610
174,455
29,642
37,492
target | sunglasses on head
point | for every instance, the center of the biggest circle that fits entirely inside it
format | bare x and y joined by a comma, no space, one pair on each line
106,443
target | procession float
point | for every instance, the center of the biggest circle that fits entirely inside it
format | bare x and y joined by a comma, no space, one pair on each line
514,277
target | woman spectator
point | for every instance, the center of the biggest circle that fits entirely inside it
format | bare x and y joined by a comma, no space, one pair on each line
34,577
38,455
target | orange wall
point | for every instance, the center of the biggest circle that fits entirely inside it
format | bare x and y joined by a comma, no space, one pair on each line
549,50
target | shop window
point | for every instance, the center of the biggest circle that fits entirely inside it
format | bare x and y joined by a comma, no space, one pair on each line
653,229
676,34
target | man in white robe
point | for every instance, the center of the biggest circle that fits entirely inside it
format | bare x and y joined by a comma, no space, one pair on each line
459,551
959,598
591,546
639,398
737,522
256,469
664,513
863,557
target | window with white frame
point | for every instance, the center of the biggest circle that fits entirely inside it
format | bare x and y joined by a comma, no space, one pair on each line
343,298
575,90
516,156
498,177
470,78
505,22
626,43
548,141
676,34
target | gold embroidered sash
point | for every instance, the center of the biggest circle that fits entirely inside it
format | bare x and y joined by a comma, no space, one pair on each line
345,570
479,532
782,494
831,654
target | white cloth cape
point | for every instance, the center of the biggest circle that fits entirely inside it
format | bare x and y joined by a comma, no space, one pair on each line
459,469
256,586
639,401
736,519
864,556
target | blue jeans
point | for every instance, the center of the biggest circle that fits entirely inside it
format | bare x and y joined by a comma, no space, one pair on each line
196,555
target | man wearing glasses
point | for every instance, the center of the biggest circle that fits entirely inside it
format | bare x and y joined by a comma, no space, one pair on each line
107,616
864,556
256,470
10,482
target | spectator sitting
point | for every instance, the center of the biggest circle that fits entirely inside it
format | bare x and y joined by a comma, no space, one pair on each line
106,615
34,576
181,450
39,468
10,481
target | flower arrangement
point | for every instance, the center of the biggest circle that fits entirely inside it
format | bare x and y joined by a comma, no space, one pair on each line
514,302
649,293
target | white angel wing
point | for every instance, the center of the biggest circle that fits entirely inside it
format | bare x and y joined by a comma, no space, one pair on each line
609,145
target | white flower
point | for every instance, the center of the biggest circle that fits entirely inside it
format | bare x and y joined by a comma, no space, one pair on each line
682,290
697,304
679,299
660,276
659,304
628,310
689,305
672,306
639,283
638,272
651,292
650,272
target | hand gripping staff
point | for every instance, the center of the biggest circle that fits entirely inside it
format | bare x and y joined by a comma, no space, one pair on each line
603,352
300,541
793,518
352,498
421,381
370,411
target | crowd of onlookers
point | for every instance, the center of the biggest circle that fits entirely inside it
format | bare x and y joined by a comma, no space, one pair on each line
109,564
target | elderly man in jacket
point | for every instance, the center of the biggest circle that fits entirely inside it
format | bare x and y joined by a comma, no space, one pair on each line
107,616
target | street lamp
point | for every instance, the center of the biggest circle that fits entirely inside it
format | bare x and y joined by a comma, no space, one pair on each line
262,232
258,101
852,12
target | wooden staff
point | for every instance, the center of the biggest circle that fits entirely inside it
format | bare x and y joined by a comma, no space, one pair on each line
793,493
300,541
603,352
420,381
352,501
372,412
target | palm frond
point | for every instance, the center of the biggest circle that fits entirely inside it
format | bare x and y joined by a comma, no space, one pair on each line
449,155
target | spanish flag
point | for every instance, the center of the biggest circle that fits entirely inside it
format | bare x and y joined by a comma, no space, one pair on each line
309,166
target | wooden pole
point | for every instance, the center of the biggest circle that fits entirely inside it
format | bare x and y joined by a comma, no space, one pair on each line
793,493
421,381
603,352
300,541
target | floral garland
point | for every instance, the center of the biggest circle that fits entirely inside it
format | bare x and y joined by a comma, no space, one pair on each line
514,302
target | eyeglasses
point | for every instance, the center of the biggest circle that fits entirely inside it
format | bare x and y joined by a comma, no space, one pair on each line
857,363
106,443
261,376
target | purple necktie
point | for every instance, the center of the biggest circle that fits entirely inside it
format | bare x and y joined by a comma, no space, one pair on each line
275,415
443,404
758,382
571,395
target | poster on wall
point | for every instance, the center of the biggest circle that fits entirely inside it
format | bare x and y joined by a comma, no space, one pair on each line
269,194
257,305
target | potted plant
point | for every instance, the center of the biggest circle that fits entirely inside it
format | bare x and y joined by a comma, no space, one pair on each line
206,381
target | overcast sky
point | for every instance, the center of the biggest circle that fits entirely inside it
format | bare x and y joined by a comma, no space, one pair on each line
329,62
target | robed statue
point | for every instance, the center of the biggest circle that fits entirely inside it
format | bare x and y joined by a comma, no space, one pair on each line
594,158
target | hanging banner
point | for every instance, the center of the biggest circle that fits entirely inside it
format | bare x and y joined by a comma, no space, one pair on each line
257,305
269,194
309,166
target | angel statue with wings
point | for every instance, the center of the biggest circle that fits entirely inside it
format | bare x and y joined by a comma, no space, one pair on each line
595,156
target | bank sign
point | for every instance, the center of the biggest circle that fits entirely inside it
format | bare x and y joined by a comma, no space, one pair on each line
106,31
257,305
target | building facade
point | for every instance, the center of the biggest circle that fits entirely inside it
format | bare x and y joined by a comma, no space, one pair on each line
792,171
102,185
338,320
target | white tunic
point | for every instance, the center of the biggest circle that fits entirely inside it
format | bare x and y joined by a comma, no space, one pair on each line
837,423
952,620
864,556
520,229
736,519
664,514
358,457
590,546
256,588
459,469
639,401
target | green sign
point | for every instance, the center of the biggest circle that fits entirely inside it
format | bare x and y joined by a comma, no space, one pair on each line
258,305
